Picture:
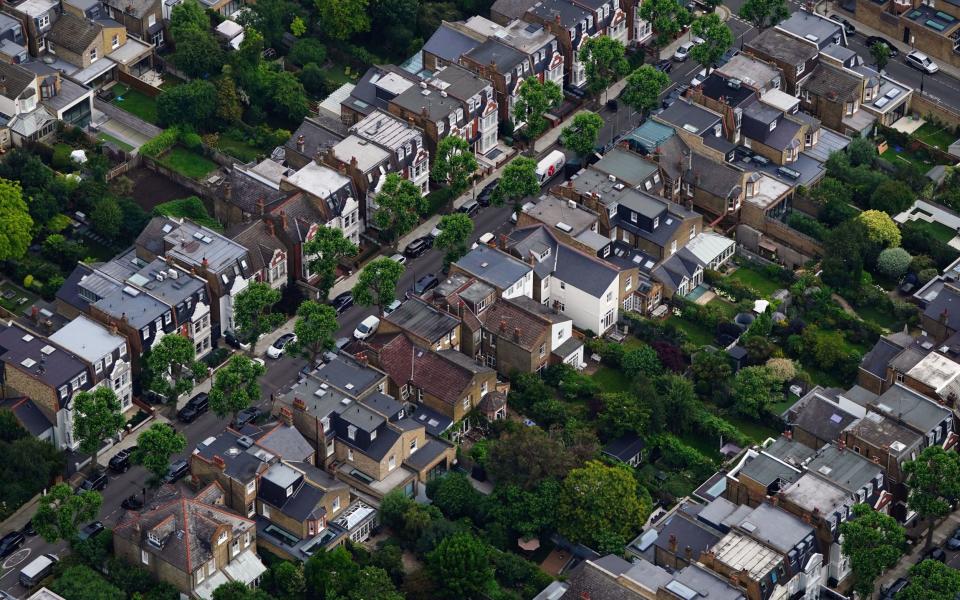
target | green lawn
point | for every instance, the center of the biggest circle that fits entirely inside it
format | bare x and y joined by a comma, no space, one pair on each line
106,137
894,157
756,279
935,135
696,333
729,308
238,147
937,231
883,318
14,298
187,162
135,103
611,380
757,431
334,74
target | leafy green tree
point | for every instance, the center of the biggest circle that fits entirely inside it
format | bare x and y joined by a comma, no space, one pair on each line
623,413
298,27
395,22
934,483
197,53
583,132
455,231
10,428
454,496
894,262
314,80
287,97
931,580
874,542
535,98
710,369
288,580
107,217
308,50
881,229
667,17
892,197
235,386
328,573
401,205
528,513
83,583
238,590
342,19
881,55
156,445
323,251
764,13
188,15
604,62
717,39
270,18
192,103
252,311
96,416
454,164
643,89
173,366
754,390
316,330
641,360
15,222
61,512
862,151
844,251
228,100
377,284
527,456
601,506
461,566
518,180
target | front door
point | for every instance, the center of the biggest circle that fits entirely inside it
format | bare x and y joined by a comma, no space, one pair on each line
906,35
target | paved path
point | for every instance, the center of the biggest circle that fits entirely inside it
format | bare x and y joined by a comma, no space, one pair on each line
940,534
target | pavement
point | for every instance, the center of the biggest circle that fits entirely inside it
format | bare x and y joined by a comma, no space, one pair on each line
118,130
940,535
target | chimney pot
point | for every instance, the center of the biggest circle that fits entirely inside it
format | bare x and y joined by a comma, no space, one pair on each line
283,219
673,543
301,143
788,434
516,334
503,326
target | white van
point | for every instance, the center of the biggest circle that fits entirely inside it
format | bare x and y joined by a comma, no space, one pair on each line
550,165
37,570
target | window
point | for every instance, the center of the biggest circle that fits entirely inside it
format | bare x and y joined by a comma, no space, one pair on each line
222,538
145,332
350,454
93,54
807,140
144,557
466,403
673,246
560,331
115,41
773,125
351,432
251,486
151,20
440,127
560,306
899,377
391,463
483,388
330,448
800,68
43,21
99,366
336,503
82,379
373,435
246,539
543,350
413,445
693,231
633,217
563,285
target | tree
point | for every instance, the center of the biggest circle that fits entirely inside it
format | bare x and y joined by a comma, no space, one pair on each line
643,89
454,496
83,583
328,573
314,80
107,217
874,542
881,229
298,27
604,63
764,13
862,151
343,18
323,251
518,180
931,580
198,53
15,222
62,511
461,566
96,416
454,164
894,262
717,39
156,445
288,580
308,50
252,311
845,247
600,506
622,413
287,97
711,370
881,55
192,103
401,205
238,590
270,19
377,284
527,456
667,17
316,330
235,386
173,366
641,361
228,101
455,231
188,15
781,369
934,483
534,99
753,391
582,133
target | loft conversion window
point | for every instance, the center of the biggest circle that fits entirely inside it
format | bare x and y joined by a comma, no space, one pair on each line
352,432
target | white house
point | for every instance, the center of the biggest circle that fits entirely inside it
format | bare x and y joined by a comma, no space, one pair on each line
105,350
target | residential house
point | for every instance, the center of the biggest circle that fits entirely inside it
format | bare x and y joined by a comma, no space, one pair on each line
752,73
509,276
24,117
33,420
820,417
404,143
103,348
655,226
631,168
522,335
448,43
795,58
12,40
701,129
250,192
890,444
639,291
268,255
374,91
676,539
234,462
929,28
142,18
940,318
426,326
570,220
876,372
327,198
679,274
312,139
814,29
194,544
760,475
36,17
66,101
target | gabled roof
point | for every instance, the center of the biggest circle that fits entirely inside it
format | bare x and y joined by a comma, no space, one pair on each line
509,321
286,442
493,266
819,416
833,84
73,33
260,241
450,43
28,415
16,79
713,177
625,447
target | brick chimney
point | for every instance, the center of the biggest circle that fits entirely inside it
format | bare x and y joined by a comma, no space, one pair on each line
286,416
269,224
205,263
788,434
516,334
113,328
301,143
943,316
688,552
261,202
283,219
841,445
362,358
353,162
219,462
228,191
503,326
318,157
299,404
673,543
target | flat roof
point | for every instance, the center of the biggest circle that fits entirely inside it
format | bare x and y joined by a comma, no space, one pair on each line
555,212
88,339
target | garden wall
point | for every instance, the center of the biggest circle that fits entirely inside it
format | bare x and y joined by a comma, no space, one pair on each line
124,118
138,84
200,189
924,106
791,237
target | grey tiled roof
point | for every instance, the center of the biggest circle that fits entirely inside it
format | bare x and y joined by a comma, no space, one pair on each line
449,44
833,84
287,443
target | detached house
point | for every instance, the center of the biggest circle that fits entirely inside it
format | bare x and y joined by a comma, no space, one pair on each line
523,335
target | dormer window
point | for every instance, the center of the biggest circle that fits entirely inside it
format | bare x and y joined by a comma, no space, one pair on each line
93,55
441,127
154,539
633,217
773,125
222,538
351,432
656,222
718,130
800,68
373,435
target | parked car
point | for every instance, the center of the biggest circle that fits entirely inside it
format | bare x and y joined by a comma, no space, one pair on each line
391,307
674,95
847,25
875,39
612,105
90,530
399,258
247,415
11,542
920,61
194,407
95,482
665,65
132,502
38,570
418,246
233,341
895,588
120,462
29,530
425,284
700,77
470,208
953,542
683,52
366,328
178,470
727,56
276,349
342,302
934,553
486,194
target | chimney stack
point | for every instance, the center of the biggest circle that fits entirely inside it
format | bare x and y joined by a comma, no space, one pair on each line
318,157
205,263
503,326
228,191
269,224
286,416
516,334
283,219
261,205
673,543
788,434
299,404
688,552
219,462
301,143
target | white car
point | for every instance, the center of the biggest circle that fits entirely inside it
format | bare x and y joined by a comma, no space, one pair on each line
366,328
919,60
276,349
391,307
700,77
399,258
683,52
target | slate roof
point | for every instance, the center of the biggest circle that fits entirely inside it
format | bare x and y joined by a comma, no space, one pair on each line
507,321
261,243
586,580
449,43
16,79
689,116
247,189
775,527
882,432
287,443
582,271
782,47
305,501
911,407
493,266
718,179
512,9
626,166
844,468
422,320
569,14
316,138
945,305
34,355
815,414
28,415
790,451
73,33
493,52
240,464
767,470
426,454
876,360
625,447
833,84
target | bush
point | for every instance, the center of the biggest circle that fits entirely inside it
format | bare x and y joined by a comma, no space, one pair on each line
192,141
894,262
160,144
306,51
807,225
61,160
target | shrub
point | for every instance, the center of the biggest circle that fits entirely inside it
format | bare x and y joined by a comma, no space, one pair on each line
807,225
894,262
192,141
306,51
160,144
61,160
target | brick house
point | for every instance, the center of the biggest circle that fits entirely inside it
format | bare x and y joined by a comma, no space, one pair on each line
426,326
523,335
142,18
795,59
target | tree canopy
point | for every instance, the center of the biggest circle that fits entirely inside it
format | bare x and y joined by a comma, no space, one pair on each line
235,386
931,580
156,445
401,205
61,512
667,17
604,62
582,134
96,416
343,18
454,163
881,229
455,231
460,564
874,542
252,311
518,180
316,329
934,483
717,39
16,224
323,251
754,390
880,53
172,366
534,99
643,89
377,284
764,13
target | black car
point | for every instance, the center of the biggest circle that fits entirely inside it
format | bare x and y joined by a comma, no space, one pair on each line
875,39
132,502
247,415
10,542
95,482
470,208
895,588
418,246
486,194
178,469
612,105
194,407
934,554
425,284
90,530
234,342
953,543
120,462
342,302
28,529
674,95
664,65
847,26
